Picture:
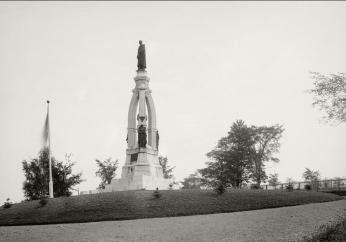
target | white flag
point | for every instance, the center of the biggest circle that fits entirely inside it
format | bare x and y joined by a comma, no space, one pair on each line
45,134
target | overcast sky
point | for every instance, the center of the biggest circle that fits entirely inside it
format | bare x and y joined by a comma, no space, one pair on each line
210,63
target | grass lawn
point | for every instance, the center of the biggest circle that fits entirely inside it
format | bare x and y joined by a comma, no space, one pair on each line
141,204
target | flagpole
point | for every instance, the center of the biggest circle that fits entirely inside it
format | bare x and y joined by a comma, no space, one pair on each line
50,159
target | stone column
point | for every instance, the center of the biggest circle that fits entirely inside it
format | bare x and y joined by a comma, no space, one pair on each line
131,127
152,121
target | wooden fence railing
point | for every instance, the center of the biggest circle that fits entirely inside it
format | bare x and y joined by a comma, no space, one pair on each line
321,185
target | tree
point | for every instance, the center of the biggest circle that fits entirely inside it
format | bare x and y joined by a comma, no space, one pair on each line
310,175
273,179
241,155
193,181
167,171
266,144
106,171
231,158
36,172
330,95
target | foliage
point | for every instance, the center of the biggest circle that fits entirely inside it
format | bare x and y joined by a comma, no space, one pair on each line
167,171
8,204
311,175
193,181
220,188
255,186
240,155
330,95
307,187
36,172
266,145
335,231
43,201
289,187
273,179
157,194
231,158
106,171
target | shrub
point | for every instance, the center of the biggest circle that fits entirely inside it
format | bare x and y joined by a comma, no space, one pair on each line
7,204
220,189
289,187
255,186
307,187
43,201
157,193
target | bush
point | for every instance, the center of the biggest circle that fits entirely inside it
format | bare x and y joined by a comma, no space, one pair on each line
220,189
289,187
255,186
43,201
307,187
157,194
7,204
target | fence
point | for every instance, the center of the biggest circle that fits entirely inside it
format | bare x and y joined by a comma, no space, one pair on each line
322,185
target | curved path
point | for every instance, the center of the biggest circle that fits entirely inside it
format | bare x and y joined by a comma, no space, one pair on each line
278,224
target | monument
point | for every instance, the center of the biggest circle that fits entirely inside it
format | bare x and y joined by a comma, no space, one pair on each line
142,169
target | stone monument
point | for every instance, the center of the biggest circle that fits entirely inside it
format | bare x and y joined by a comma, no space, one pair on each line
142,169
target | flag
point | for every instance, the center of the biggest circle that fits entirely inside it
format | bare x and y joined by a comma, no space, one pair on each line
45,133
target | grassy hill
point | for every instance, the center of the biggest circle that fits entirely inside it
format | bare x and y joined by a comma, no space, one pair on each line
141,204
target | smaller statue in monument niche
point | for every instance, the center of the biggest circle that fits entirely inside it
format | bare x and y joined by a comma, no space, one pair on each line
142,137
141,64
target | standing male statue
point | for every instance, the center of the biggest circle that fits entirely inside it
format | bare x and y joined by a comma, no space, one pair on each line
142,137
141,64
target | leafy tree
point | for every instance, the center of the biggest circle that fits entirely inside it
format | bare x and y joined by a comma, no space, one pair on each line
266,144
311,175
241,155
106,171
330,95
36,172
167,171
231,158
193,181
273,179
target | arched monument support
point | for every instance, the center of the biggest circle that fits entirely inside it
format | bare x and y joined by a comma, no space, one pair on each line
141,169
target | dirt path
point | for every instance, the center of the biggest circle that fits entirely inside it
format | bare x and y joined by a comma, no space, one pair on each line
278,224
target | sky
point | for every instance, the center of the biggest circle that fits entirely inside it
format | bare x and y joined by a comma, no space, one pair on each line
209,63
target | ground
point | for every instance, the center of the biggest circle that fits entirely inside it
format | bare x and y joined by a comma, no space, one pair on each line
277,224
142,204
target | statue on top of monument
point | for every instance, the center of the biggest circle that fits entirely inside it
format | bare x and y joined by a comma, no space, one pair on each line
141,64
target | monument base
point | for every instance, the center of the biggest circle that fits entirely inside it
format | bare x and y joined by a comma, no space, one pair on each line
142,171
138,183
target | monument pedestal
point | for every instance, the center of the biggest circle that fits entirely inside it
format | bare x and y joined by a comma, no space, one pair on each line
142,170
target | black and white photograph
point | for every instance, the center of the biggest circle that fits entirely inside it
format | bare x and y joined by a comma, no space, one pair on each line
172,121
